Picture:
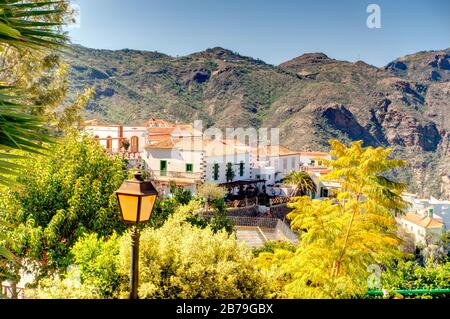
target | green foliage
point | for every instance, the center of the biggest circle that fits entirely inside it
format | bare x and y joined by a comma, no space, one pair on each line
62,287
65,194
96,259
271,246
218,221
161,212
179,260
32,24
209,192
409,275
179,194
341,237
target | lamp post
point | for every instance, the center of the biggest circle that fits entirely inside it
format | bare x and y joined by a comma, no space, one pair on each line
136,199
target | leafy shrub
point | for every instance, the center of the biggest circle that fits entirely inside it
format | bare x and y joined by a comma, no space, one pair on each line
96,259
179,260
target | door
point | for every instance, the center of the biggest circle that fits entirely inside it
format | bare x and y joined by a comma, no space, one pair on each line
134,144
109,143
163,168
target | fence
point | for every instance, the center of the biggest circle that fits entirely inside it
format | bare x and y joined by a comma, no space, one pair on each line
251,211
279,200
266,222
8,291
243,202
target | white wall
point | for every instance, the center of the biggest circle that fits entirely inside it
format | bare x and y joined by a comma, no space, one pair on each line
267,173
275,168
222,161
104,132
420,233
176,159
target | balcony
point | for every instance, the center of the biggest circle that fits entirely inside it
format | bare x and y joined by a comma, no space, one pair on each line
173,174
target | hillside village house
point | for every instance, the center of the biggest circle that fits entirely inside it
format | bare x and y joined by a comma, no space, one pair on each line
179,153
426,219
112,136
424,228
421,206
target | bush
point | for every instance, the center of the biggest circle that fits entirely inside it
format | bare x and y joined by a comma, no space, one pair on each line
179,260
62,287
410,275
270,246
96,259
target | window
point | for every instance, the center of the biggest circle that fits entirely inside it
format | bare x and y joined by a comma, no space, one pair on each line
323,192
285,162
258,176
216,172
241,169
163,168
293,163
189,168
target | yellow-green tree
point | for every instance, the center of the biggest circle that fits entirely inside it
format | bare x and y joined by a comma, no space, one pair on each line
342,236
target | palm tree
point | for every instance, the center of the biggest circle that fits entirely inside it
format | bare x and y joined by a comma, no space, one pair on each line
302,183
25,26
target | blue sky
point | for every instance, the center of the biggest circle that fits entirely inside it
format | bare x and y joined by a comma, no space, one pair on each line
274,31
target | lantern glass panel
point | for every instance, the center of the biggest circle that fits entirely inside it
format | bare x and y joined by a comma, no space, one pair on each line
129,207
147,203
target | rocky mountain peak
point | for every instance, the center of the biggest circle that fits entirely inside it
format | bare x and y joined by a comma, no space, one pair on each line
306,59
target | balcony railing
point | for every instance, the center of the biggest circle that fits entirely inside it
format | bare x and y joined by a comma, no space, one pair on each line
175,174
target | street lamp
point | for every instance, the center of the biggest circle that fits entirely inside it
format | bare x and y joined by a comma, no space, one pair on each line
136,198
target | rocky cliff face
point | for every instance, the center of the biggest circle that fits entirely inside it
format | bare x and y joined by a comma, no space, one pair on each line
311,98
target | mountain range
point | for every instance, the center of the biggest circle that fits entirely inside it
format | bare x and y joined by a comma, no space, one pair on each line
311,98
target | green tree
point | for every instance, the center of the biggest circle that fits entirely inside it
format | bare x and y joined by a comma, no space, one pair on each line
180,194
302,182
26,28
33,81
96,258
64,194
341,237
209,192
177,260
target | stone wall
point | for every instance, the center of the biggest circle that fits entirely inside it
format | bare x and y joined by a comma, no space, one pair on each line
280,211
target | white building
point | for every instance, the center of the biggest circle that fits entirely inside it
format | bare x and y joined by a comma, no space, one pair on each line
180,154
274,162
224,155
425,229
441,208
313,159
112,137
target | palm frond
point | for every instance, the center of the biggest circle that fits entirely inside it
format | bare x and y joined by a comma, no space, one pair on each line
25,24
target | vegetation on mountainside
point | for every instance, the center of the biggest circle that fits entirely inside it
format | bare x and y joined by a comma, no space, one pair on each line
311,99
